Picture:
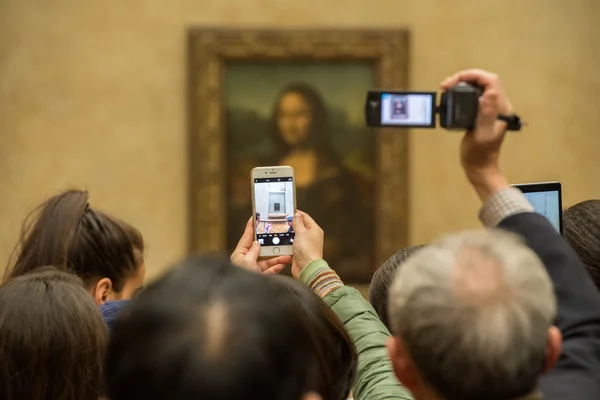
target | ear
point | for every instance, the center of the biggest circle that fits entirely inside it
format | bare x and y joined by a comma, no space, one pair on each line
102,290
312,396
553,348
403,365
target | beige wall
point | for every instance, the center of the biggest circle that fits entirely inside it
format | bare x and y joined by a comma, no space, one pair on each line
92,95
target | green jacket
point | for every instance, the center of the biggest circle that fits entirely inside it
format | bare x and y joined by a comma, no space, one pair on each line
375,379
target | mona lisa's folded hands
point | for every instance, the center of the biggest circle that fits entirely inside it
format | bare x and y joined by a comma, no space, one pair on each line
247,252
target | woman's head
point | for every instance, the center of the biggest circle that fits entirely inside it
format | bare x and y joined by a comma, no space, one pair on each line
383,279
300,119
581,228
66,233
52,339
333,347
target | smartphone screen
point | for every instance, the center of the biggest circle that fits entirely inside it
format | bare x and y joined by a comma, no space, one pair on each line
546,200
274,205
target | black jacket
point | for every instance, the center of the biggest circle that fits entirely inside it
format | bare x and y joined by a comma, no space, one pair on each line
576,376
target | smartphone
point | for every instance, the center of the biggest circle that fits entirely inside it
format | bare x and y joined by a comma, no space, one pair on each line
546,199
401,109
274,205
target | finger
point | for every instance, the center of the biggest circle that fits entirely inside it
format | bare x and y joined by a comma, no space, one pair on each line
275,269
248,235
298,223
448,82
253,252
309,222
271,262
478,76
488,107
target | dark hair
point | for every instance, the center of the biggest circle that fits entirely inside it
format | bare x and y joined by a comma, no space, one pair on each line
52,339
581,229
210,330
333,347
319,132
383,278
257,215
65,232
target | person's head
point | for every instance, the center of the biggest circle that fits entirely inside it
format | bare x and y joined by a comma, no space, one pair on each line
66,233
333,347
257,217
300,119
581,229
290,219
211,330
52,339
382,280
471,316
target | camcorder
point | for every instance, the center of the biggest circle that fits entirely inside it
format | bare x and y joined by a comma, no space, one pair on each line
406,109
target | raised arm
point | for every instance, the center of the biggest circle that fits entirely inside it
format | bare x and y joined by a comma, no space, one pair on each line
577,373
375,377
578,313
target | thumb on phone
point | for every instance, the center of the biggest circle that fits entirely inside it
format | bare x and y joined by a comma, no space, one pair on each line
253,252
298,223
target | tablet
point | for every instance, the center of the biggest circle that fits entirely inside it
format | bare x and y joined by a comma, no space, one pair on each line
546,199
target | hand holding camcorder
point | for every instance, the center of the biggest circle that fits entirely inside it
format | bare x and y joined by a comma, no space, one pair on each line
457,110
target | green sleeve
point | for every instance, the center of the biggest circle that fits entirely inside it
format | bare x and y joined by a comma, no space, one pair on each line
375,379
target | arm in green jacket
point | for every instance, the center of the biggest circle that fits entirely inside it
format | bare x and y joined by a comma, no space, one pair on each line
375,379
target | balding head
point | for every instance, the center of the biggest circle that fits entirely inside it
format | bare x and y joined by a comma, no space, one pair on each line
474,312
210,330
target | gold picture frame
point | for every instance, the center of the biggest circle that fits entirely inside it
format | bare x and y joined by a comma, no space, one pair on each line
209,52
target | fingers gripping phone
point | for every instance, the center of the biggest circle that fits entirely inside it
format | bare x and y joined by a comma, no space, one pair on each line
274,204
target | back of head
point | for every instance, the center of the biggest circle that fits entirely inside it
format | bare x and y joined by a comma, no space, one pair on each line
581,229
210,330
383,278
474,310
65,232
331,344
52,339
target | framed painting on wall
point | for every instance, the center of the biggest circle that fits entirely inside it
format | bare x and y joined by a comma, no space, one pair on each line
280,97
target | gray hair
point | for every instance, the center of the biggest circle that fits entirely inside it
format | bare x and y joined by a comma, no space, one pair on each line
474,311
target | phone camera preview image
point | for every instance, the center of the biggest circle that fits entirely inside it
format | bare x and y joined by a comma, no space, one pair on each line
274,205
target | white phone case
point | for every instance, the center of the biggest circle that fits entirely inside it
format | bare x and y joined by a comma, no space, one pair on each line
276,215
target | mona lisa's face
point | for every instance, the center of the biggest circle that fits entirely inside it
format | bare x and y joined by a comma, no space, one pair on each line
293,119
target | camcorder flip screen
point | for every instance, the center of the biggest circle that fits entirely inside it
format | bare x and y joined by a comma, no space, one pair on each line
401,109
546,199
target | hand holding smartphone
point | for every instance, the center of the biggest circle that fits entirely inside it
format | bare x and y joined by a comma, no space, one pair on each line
274,204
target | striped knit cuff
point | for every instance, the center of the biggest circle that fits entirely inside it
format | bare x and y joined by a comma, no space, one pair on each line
320,278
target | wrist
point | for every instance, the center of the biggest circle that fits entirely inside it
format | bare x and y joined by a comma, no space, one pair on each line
320,278
303,265
487,182
305,273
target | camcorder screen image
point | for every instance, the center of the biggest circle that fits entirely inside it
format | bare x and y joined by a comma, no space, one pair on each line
274,209
407,109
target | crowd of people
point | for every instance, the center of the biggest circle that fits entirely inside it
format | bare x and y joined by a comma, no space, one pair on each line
510,312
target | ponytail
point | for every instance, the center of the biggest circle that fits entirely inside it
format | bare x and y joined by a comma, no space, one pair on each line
66,233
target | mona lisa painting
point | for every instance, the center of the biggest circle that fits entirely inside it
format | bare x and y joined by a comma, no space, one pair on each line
308,116
305,109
